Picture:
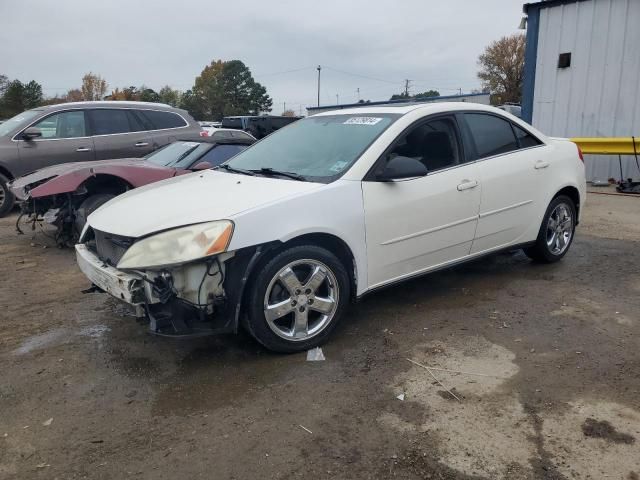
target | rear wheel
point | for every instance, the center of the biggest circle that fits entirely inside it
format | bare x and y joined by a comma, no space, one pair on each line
556,232
87,207
297,298
7,200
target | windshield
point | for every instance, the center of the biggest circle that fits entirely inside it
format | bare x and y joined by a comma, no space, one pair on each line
177,154
16,122
318,148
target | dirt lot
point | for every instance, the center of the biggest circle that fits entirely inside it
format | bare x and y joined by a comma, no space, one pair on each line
551,389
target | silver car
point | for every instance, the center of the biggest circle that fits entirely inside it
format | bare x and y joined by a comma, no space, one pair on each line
84,131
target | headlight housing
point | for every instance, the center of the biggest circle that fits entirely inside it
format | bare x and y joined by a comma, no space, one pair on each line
179,245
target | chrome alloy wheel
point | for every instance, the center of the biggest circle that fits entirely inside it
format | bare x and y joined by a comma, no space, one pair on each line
301,300
560,229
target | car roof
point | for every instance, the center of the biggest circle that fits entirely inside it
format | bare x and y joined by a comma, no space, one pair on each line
433,107
106,103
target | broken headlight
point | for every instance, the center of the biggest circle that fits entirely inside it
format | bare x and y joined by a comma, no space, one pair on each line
179,245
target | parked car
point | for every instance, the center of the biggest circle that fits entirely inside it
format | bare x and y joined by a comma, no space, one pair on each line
64,195
280,238
84,131
258,126
214,132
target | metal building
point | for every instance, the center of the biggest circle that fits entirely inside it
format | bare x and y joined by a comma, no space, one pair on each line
582,74
483,98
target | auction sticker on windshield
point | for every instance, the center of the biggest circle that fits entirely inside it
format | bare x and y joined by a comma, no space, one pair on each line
362,121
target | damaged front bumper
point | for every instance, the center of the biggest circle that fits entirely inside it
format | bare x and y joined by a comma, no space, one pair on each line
185,300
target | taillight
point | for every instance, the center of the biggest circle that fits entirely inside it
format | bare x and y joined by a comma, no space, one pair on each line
580,153
204,133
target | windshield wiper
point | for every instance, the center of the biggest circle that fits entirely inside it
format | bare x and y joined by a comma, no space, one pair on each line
271,172
229,168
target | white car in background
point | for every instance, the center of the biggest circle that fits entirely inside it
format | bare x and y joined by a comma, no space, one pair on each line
219,133
283,236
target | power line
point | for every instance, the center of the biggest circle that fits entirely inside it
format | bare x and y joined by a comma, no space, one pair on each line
361,76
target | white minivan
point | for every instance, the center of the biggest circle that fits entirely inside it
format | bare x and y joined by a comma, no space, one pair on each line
283,236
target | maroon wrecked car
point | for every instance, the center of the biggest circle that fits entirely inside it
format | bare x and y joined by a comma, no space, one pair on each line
64,195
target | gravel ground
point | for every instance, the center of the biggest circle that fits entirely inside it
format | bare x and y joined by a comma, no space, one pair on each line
535,373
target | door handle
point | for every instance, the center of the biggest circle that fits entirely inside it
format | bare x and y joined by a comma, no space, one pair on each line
142,144
83,149
467,184
541,164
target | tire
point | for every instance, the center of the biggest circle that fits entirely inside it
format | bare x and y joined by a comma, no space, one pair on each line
7,200
556,232
87,207
285,282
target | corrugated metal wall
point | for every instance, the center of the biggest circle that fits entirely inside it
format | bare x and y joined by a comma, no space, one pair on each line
598,95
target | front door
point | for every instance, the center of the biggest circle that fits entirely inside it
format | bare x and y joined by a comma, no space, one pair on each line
64,139
418,224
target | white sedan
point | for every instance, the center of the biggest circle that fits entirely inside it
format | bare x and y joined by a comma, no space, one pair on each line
284,235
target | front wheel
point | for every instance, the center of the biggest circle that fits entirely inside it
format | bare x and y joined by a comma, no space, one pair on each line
297,298
556,232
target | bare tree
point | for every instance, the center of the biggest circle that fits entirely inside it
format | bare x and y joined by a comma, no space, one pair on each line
288,113
74,95
501,68
94,87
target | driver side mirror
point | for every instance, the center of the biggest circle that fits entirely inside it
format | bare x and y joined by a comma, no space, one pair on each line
31,133
202,166
399,168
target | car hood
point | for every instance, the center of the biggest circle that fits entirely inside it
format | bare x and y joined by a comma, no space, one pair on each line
188,199
65,168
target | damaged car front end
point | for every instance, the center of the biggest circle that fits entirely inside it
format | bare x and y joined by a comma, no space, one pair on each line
183,280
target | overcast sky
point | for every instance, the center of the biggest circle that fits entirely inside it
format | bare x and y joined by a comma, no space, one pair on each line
372,45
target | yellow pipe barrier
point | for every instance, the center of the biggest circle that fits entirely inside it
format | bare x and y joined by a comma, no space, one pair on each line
607,146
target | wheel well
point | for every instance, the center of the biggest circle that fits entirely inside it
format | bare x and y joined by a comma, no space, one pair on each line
102,183
6,173
332,243
573,194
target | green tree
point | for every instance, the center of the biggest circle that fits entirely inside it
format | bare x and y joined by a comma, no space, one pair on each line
148,95
32,95
169,96
502,68
194,104
427,94
19,97
400,96
228,88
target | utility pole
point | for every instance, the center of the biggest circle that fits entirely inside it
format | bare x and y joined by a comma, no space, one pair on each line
337,99
358,90
284,107
406,87
319,68
460,90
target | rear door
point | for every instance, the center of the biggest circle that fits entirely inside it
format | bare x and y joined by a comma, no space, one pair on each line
65,138
512,171
117,133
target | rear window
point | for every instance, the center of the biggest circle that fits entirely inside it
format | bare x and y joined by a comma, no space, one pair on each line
161,120
109,121
492,135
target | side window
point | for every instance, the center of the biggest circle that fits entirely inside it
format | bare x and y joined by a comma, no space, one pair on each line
162,120
492,135
109,121
525,139
135,124
221,153
63,125
144,121
433,143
